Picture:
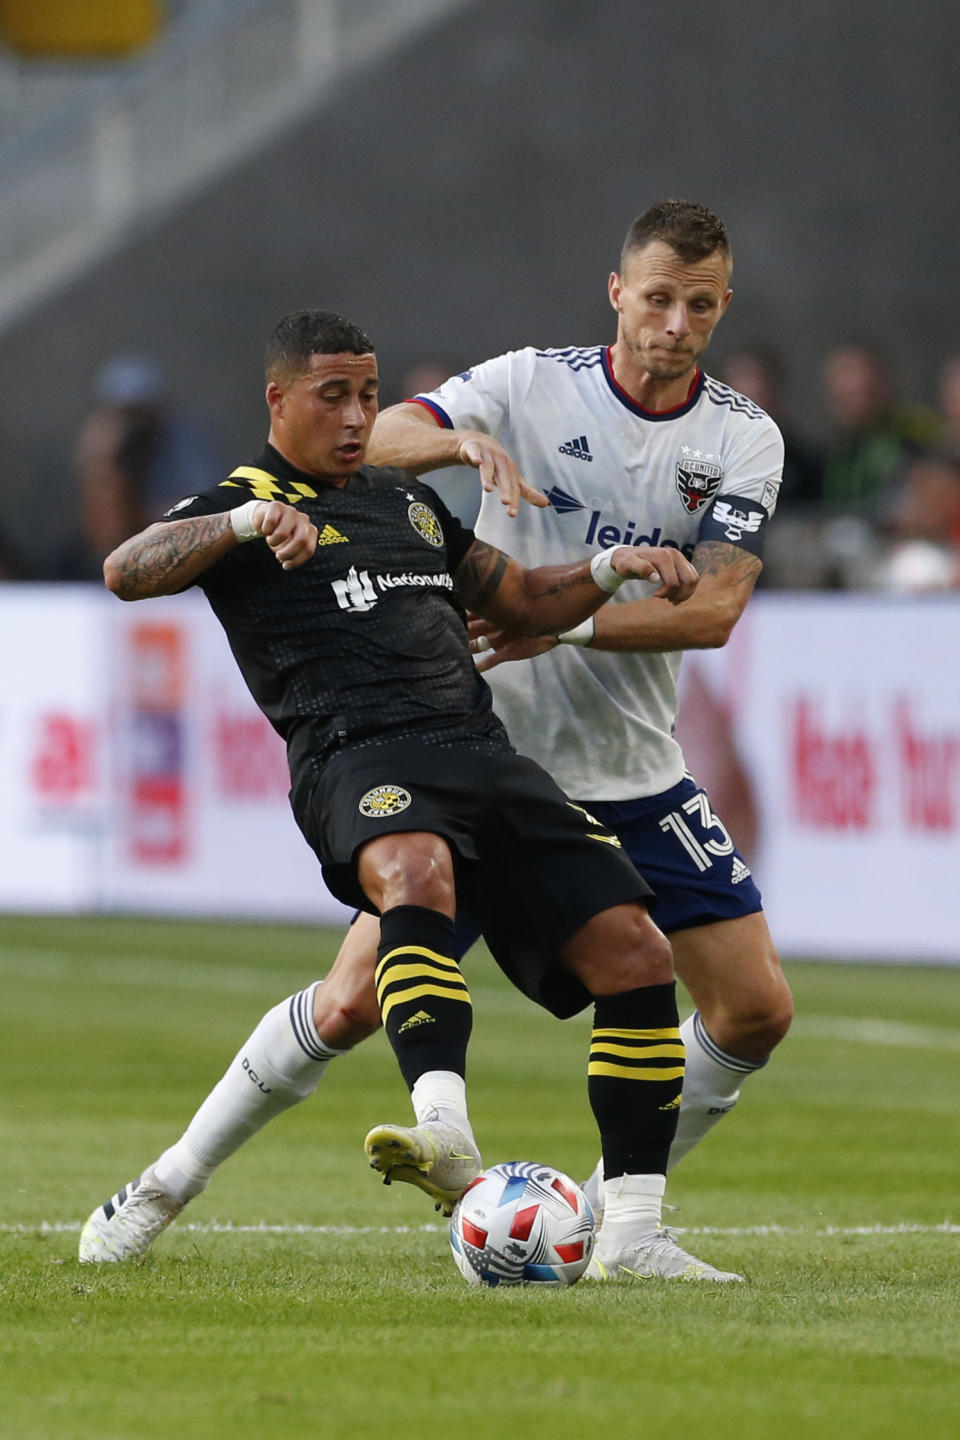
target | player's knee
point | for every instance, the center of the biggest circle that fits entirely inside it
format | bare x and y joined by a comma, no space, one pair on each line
408,869
755,1026
626,951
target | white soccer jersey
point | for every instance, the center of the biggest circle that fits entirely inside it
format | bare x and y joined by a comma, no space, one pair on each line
602,722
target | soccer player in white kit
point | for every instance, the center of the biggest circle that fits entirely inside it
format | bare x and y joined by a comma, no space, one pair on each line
629,444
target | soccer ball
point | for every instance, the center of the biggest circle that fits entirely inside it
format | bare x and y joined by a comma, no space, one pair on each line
521,1223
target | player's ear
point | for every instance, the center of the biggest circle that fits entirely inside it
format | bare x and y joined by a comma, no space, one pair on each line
726,301
274,398
615,290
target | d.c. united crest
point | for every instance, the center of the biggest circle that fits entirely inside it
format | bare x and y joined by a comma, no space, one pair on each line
697,481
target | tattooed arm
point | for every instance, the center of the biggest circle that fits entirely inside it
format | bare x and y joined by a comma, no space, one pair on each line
168,556
704,622
556,597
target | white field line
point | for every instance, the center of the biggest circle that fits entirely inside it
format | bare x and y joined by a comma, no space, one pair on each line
218,1227
161,973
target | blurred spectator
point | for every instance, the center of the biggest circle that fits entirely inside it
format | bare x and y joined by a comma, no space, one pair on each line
873,439
793,558
949,397
136,455
758,372
925,524
423,376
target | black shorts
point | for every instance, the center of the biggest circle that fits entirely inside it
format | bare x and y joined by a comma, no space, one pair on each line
531,866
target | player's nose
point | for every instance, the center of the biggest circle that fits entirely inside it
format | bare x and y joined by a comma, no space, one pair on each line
678,321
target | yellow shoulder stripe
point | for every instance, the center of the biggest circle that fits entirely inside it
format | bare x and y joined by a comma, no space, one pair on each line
264,486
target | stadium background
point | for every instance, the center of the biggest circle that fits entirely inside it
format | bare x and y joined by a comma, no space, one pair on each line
456,175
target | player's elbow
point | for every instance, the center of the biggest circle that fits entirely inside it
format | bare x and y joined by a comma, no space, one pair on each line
117,578
717,632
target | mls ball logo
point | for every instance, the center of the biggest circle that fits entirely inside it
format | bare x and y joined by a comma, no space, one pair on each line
697,481
426,524
383,801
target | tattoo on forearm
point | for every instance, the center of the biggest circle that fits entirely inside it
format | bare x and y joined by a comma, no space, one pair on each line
155,556
738,566
480,573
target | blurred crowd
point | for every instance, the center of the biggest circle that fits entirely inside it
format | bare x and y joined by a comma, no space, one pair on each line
875,503
870,499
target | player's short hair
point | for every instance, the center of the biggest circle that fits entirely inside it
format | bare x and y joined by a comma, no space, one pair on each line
311,332
691,230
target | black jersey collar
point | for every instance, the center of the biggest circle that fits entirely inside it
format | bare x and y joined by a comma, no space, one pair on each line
274,463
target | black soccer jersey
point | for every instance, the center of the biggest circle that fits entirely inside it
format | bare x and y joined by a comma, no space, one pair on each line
367,638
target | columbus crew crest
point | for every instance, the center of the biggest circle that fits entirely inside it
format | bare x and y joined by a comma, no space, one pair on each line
698,480
383,801
426,524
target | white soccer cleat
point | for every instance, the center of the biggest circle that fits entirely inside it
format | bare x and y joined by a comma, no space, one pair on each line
436,1157
127,1225
653,1257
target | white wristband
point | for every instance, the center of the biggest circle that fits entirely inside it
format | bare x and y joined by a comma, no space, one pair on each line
243,523
603,572
581,634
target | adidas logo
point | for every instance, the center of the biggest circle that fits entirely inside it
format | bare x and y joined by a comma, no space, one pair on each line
421,1018
673,1104
577,447
329,536
739,871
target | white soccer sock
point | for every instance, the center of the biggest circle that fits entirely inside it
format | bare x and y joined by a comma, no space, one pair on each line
632,1208
442,1095
281,1063
711,1086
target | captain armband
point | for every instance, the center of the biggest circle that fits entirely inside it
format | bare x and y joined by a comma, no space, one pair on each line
242,521
737,521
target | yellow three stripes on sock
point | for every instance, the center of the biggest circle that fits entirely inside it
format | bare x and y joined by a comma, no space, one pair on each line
627,1054
432,974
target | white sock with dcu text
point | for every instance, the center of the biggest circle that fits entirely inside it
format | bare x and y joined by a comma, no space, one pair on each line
281,1063
711,1087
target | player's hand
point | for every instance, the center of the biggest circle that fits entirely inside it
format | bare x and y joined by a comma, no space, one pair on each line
675,577
498,472
291,535
491,646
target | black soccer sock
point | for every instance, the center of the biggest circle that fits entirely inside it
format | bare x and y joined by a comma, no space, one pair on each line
423,999
635,1078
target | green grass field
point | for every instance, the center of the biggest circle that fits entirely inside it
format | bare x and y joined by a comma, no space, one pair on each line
298,1297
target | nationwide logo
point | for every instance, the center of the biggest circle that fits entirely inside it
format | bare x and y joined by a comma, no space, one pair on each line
329,536
577,447
384,801
698,478
738,522
359,592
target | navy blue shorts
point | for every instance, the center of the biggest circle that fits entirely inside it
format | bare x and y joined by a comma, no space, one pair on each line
682,850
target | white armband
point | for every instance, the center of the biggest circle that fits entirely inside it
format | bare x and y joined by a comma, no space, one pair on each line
581,634
603,572
243,523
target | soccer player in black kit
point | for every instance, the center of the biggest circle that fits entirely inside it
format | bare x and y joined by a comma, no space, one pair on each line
342,591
